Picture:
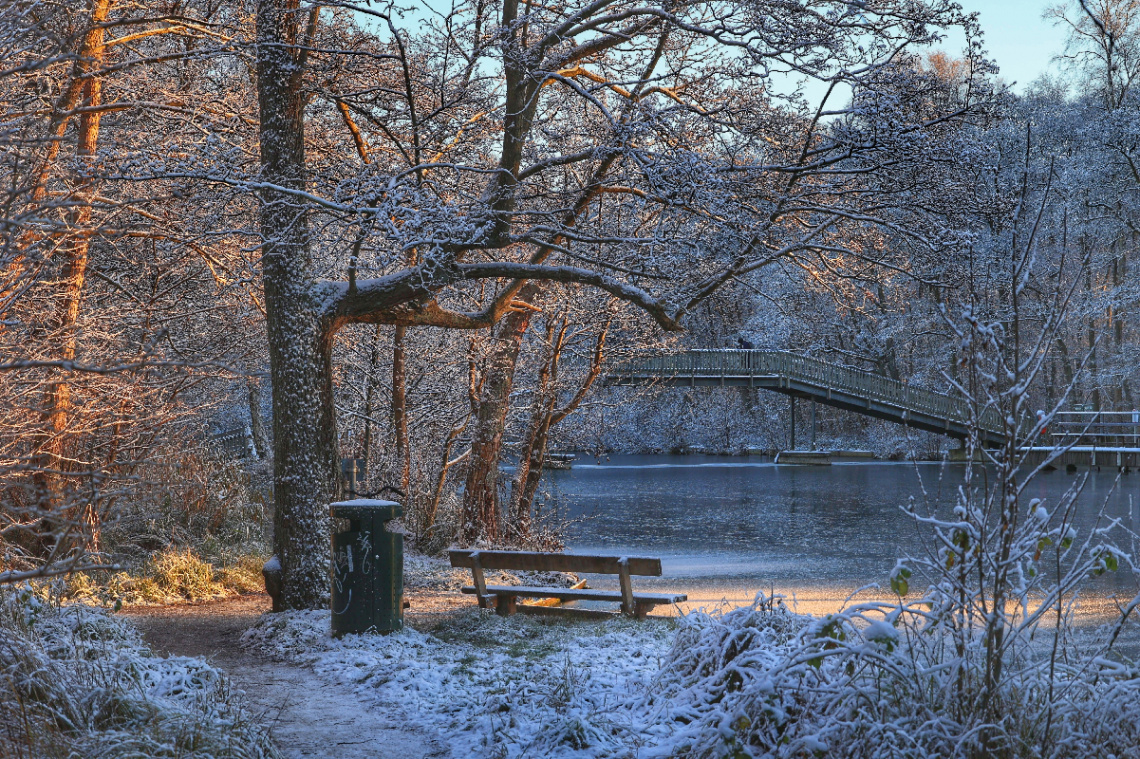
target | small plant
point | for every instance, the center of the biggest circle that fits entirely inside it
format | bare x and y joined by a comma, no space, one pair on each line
567,682
182,574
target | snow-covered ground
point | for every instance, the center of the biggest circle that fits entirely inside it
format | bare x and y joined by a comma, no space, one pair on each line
492,687
758,681
876,680
486,686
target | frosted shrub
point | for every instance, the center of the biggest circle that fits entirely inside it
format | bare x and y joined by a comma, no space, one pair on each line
881,681
81,683
719,684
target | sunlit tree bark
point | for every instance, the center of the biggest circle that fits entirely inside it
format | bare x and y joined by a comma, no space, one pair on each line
83,93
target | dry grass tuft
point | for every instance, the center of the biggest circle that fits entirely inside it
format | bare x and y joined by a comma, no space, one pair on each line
171,576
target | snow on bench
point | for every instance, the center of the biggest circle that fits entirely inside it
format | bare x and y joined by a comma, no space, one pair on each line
504,597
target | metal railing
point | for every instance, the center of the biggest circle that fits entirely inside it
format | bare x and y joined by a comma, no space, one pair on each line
1102,429
810,371
236,442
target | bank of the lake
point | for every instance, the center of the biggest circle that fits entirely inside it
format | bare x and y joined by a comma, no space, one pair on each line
726,527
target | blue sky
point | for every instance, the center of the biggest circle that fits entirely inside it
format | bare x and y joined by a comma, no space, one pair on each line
1022,43
1017,37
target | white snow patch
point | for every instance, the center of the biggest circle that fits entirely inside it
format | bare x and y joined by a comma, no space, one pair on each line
495,687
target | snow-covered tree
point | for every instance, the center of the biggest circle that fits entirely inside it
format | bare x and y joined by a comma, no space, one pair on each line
516,125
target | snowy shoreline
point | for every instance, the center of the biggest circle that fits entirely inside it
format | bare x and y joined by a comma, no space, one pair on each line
754,680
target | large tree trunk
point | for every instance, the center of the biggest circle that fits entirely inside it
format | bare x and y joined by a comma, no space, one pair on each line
300,337
481,507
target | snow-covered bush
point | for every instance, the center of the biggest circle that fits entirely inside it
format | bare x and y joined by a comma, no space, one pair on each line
762,682
76,682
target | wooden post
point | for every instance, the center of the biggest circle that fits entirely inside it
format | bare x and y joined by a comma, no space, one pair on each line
627,605
505,606
480,583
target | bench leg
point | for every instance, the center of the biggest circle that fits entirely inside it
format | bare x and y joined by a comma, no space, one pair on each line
643,609
627,604
505,606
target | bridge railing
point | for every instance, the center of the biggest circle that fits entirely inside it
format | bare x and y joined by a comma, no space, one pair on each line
1096,428
236,442
744,363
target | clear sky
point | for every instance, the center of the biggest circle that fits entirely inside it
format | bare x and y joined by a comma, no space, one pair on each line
1022,43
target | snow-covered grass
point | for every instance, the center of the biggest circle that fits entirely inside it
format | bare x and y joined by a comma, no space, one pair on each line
760,681
880,682
494,687
77,682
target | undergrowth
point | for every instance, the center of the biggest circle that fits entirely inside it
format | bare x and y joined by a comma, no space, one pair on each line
196,532
76,682
170,576
763,682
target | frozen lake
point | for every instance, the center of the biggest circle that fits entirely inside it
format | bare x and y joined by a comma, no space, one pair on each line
726,527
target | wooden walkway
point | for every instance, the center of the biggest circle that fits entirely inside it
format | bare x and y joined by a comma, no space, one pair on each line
811,379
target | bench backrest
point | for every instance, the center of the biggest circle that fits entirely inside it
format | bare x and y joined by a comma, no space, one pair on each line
555,562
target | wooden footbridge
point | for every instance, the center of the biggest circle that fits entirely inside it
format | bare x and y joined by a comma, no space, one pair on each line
811,379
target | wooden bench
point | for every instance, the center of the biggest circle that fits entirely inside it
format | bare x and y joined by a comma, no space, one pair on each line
504,597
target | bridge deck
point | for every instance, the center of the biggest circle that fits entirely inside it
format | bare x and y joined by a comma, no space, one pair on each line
839,386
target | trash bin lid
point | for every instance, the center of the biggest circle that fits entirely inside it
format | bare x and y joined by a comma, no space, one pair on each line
366,507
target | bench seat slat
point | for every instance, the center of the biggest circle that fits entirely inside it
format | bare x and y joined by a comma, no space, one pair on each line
584,594
555,562
569,612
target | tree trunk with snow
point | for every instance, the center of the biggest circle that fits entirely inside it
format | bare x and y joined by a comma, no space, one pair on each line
300,331
544,416
370,399
400,407
256,422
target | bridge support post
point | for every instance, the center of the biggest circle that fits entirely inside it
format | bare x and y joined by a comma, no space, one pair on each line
813,405
792,423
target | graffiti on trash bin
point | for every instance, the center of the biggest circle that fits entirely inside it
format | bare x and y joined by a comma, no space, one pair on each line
347,603
364,544
344,565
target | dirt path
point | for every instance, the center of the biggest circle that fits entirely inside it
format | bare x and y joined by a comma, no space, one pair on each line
306,716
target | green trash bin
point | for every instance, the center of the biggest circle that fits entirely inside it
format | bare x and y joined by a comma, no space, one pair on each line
368,568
